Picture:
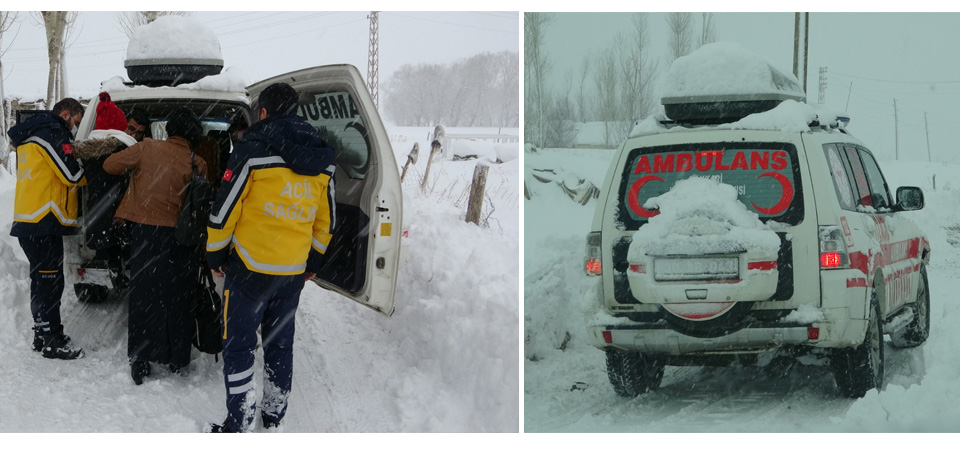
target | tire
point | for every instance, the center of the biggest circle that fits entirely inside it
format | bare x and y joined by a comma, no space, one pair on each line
632,373
917,331
860,369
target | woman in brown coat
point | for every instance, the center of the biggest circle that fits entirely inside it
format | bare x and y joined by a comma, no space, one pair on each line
160,325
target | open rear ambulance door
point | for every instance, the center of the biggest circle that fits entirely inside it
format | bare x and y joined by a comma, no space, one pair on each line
362,259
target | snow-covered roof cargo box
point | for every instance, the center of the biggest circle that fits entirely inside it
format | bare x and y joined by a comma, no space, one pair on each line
172,50
722,82
171,72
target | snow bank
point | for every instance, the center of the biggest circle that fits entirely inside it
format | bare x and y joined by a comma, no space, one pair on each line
174,37
700,216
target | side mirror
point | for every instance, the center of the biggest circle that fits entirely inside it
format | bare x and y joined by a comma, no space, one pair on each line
909,198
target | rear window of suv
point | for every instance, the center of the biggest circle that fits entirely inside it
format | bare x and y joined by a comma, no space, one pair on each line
766,176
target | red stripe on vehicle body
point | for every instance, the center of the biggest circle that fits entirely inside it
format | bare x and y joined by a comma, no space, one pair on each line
856,282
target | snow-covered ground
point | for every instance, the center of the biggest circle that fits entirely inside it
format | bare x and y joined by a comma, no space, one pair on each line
446,361
568,391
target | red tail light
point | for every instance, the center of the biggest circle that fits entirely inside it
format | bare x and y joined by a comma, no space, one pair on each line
593,267
813,333
607,337
830,259
638,268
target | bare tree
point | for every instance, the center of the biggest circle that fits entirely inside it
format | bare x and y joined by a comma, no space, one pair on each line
637,73
536,66
681,29
129,21
7,19
57,25
558,123
708,34
582,100
606,82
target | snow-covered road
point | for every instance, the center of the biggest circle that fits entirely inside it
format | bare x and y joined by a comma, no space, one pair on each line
568,391
446,361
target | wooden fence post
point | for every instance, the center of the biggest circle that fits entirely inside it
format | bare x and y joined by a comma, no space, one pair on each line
475,204
411,159
434,148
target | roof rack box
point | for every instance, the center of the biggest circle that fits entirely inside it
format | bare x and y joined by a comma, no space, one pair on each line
170,72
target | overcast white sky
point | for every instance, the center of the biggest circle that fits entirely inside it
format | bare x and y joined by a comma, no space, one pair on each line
262,44
912,57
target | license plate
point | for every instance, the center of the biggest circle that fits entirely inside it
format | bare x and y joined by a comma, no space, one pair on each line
682,269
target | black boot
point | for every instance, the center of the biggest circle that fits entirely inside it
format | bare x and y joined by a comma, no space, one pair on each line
219,428
270,423
38,338
139,369
57,346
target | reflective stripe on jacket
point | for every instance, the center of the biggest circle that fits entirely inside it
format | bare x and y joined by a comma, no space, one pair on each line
46,200
267,214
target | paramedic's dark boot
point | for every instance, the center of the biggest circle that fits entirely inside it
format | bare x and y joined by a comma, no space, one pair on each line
138,369
38,338
57,346
219,428
271,423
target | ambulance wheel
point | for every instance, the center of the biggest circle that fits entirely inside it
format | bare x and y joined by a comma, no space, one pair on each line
859,369
633,373
917,331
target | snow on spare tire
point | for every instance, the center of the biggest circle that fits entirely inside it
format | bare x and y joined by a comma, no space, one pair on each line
701,217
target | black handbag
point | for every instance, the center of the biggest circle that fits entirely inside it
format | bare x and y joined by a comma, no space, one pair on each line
192,223
207,314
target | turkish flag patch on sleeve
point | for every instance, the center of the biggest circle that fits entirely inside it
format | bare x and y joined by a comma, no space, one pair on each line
227,175
67,149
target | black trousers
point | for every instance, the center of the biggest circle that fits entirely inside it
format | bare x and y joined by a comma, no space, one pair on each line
161,296
45,254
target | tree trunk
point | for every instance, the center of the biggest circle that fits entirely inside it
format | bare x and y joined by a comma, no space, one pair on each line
54,23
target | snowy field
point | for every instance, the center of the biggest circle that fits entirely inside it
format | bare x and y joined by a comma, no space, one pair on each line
568,391
446,361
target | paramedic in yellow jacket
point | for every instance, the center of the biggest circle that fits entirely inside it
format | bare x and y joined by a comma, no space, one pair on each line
44,210
268,231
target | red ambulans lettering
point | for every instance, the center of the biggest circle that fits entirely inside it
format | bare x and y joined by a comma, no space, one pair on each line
710,161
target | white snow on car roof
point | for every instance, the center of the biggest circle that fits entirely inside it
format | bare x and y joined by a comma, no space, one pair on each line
174,37
227,81
726,68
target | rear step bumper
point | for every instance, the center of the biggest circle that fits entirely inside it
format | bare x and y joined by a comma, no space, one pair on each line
665,341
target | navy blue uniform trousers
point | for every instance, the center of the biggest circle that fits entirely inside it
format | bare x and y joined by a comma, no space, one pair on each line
45,254
252,300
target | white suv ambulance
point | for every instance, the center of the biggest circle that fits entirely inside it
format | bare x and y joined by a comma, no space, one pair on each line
814,257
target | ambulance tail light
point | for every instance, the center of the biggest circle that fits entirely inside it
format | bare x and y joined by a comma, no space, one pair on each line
833,248
592,264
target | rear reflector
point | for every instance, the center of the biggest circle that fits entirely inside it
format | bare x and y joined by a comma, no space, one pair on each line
638,268
830,259
813,333
607,337
762,265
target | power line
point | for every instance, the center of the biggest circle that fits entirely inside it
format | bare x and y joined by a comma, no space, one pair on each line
895,81
450,23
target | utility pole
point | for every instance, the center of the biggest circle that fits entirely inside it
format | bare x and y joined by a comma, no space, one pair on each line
801,29
927,128
373,58
848,97
896,134
823,85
